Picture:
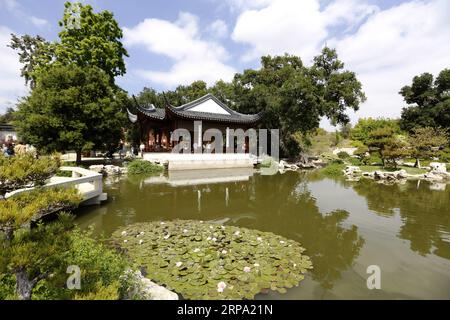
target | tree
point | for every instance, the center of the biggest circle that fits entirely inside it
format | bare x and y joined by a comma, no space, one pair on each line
396,148
92,40
35,53
184,94
428,102
25,171
8,116
345,130
361,152
365,126
34,253
20,252
426,142
74,104
294,97
390,145
72,108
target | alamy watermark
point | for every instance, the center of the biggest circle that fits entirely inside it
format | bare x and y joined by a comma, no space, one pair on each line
74,280
74,20
212,140
374,280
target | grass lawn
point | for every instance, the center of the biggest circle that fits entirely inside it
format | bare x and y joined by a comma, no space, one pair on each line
380,168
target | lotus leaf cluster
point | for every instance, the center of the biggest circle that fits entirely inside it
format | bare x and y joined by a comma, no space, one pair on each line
202,260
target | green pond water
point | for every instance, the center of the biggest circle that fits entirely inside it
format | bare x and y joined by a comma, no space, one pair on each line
345,226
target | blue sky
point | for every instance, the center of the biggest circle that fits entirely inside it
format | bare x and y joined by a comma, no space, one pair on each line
177,42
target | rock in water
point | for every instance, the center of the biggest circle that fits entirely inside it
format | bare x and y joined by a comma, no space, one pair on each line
352,171
144,289
437,167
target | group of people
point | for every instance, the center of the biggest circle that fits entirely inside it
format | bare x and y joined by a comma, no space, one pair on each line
10,149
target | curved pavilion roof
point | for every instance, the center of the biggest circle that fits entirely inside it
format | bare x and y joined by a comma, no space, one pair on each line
188,112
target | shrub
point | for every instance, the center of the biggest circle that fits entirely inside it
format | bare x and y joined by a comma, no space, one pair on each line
100,266
343,155
329,157
267,162
25,170
333,169
144,167
337,161
374,159
445,155
354,161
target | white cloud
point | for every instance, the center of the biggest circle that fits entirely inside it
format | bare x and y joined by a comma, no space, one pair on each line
385,47
15,8
218,29
11,84
38,22
193,57
392,47
296,27
240,5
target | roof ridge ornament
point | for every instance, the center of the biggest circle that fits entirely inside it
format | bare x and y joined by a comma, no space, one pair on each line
148,107
132,117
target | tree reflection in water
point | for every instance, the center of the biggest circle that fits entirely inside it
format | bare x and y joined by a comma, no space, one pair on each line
424,212
285,206
281,204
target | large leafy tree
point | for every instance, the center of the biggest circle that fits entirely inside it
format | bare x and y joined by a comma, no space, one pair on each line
428,101
34,53
74,104
365,126
72,108
187,93
294,97
91,39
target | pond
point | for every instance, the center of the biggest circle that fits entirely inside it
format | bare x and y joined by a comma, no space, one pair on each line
345,226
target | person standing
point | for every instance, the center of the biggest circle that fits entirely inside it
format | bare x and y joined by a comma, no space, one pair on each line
142,148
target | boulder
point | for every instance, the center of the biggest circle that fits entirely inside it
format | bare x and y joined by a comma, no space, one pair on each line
402,174
108,169
284,165
438,167
97,168
379,175
368,174
352,170
349,151
309,165
433,176
143,288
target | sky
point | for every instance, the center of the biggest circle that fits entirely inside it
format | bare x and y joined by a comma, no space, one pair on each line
177,42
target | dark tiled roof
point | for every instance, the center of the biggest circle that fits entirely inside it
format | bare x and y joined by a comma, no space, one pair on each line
154,113
233,117
184,112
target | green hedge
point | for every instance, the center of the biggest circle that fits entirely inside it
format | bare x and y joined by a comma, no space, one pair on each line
144,167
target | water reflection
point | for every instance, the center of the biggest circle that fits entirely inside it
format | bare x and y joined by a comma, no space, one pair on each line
423,208
281,204
285,206
345,226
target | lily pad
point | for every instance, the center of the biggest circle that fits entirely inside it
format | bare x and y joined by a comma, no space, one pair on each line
209,261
